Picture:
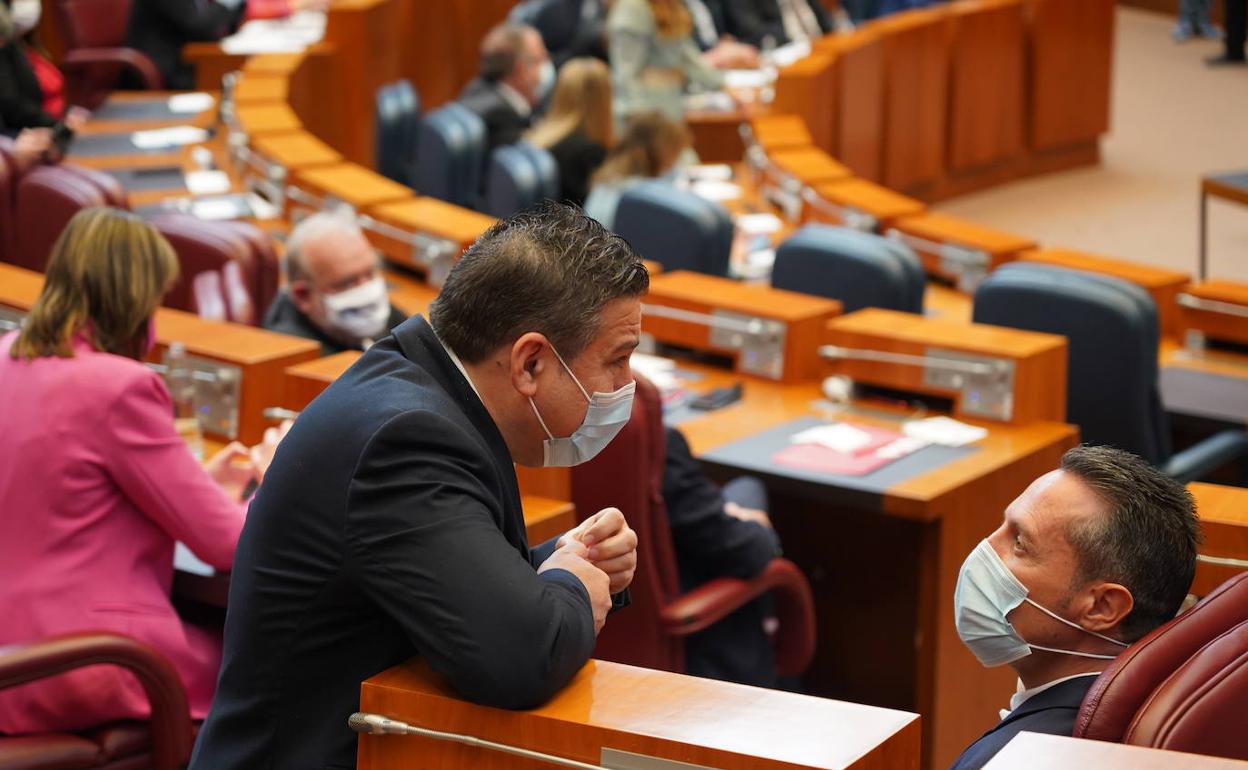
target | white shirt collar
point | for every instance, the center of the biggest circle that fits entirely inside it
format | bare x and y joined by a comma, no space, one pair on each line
1021,696
458,364
515,99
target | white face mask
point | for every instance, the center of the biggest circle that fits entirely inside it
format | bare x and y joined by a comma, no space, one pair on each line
607,414
360,312
985,595
545,80
26,15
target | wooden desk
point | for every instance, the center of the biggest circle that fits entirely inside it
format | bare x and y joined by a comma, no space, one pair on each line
203,119
253,87
859,203
1223,515
1071,45
809,165
1216,310
779,132
1035,751
258,118
856,102
805,89
1163,285
958,250
883,566
295,150
1229,187
338,185
458,228
655,713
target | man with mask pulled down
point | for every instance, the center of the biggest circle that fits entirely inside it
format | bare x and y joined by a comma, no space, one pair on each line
1091,557
389,524
335,292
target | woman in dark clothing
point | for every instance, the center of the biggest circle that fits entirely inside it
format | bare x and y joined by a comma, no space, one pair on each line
26,77
577,129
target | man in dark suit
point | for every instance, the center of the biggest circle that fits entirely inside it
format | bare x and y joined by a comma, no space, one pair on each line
514,77
159,28
1090,558
781,21
335,291
721,533
389,524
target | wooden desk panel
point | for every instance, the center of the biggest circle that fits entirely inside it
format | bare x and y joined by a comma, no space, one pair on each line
940,229
19,287
253,87
304,382
987,84
347,183
369,40
1071,45
1216,325
608,705
916,65
807,89
426,216
780,132
809,165
857,102
858,196
258,118
1163,285
1036,751
1223,515
294,150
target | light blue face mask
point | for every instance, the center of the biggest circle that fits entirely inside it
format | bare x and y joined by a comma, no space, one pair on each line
606,416
985,595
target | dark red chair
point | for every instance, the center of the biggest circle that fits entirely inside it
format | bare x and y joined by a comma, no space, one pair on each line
47,198
628,475
163,743
1183,687
212,246
94,32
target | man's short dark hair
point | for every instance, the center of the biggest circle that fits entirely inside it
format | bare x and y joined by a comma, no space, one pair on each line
501,47
1146,541
548,269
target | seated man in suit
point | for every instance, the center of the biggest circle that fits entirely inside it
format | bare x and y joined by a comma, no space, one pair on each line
721,533
1091,557
777,21
335,292
710,32
514,78
389,525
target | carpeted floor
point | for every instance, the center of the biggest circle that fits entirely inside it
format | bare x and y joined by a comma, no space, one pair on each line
1173,120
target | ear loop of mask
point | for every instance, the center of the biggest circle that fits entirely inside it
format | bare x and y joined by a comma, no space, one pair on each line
1061,619
533,403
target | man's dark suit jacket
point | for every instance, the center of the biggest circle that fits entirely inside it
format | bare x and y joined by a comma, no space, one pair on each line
282,316
503,124
159,28
21,98
753,20
1052,711
388,526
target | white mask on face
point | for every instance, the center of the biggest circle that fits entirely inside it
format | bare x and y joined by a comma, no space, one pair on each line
26,15
985,595
607,414
360,312
545,80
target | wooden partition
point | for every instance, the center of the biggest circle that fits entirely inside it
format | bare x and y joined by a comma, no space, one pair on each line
1035,385
611,707
1223,553
1163,285
1217,310
441,41
804,89
916,82
369,40
856,102
987,85
1070,47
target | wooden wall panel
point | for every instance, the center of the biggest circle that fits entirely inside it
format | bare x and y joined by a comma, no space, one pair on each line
916,78
1071,50
986,83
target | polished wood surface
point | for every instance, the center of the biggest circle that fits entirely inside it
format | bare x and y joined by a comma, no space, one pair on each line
802,89
1163,285
779,132
1223,515
19,287
1039,359
434,217
349,183
856,103
802,314
1070,43
1037,751
441,41
295,150
859,195
369,41
655,713
306,381
1211,185
916,63
810,165
987,83
1216,325
545,518
940,229
266,117
254,87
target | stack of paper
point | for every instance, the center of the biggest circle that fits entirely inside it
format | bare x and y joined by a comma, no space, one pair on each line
944,431
175,136
289,35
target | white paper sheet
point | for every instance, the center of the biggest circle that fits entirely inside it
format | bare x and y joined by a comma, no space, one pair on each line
839,437
175,136
189,104
944,431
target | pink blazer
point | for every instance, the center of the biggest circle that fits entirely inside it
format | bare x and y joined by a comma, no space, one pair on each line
95,488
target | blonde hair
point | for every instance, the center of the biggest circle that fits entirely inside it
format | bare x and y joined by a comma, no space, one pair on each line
671,18
107,274
650,144
581,102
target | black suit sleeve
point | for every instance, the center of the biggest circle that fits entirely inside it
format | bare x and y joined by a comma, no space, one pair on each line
21,99
196,21
747,21
710,541
422,535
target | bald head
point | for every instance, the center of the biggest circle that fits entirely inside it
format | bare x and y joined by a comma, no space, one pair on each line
327,254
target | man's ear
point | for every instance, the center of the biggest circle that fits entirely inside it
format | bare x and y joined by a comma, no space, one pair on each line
1111,604
300,294
527,362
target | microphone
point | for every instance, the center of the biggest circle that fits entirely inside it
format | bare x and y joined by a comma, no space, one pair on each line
375,724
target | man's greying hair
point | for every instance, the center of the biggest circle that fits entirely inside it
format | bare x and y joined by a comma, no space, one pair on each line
501,47
309,229
1147,539
548,269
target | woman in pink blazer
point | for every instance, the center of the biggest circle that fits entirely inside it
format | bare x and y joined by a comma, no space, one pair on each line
95,484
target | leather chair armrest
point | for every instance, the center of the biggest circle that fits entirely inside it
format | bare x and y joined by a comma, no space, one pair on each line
1198,461
170,722
714,600
128,57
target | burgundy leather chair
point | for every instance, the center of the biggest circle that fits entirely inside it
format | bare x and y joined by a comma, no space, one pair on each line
628,475
94,32
1183,687
163,743
212,246
47,198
